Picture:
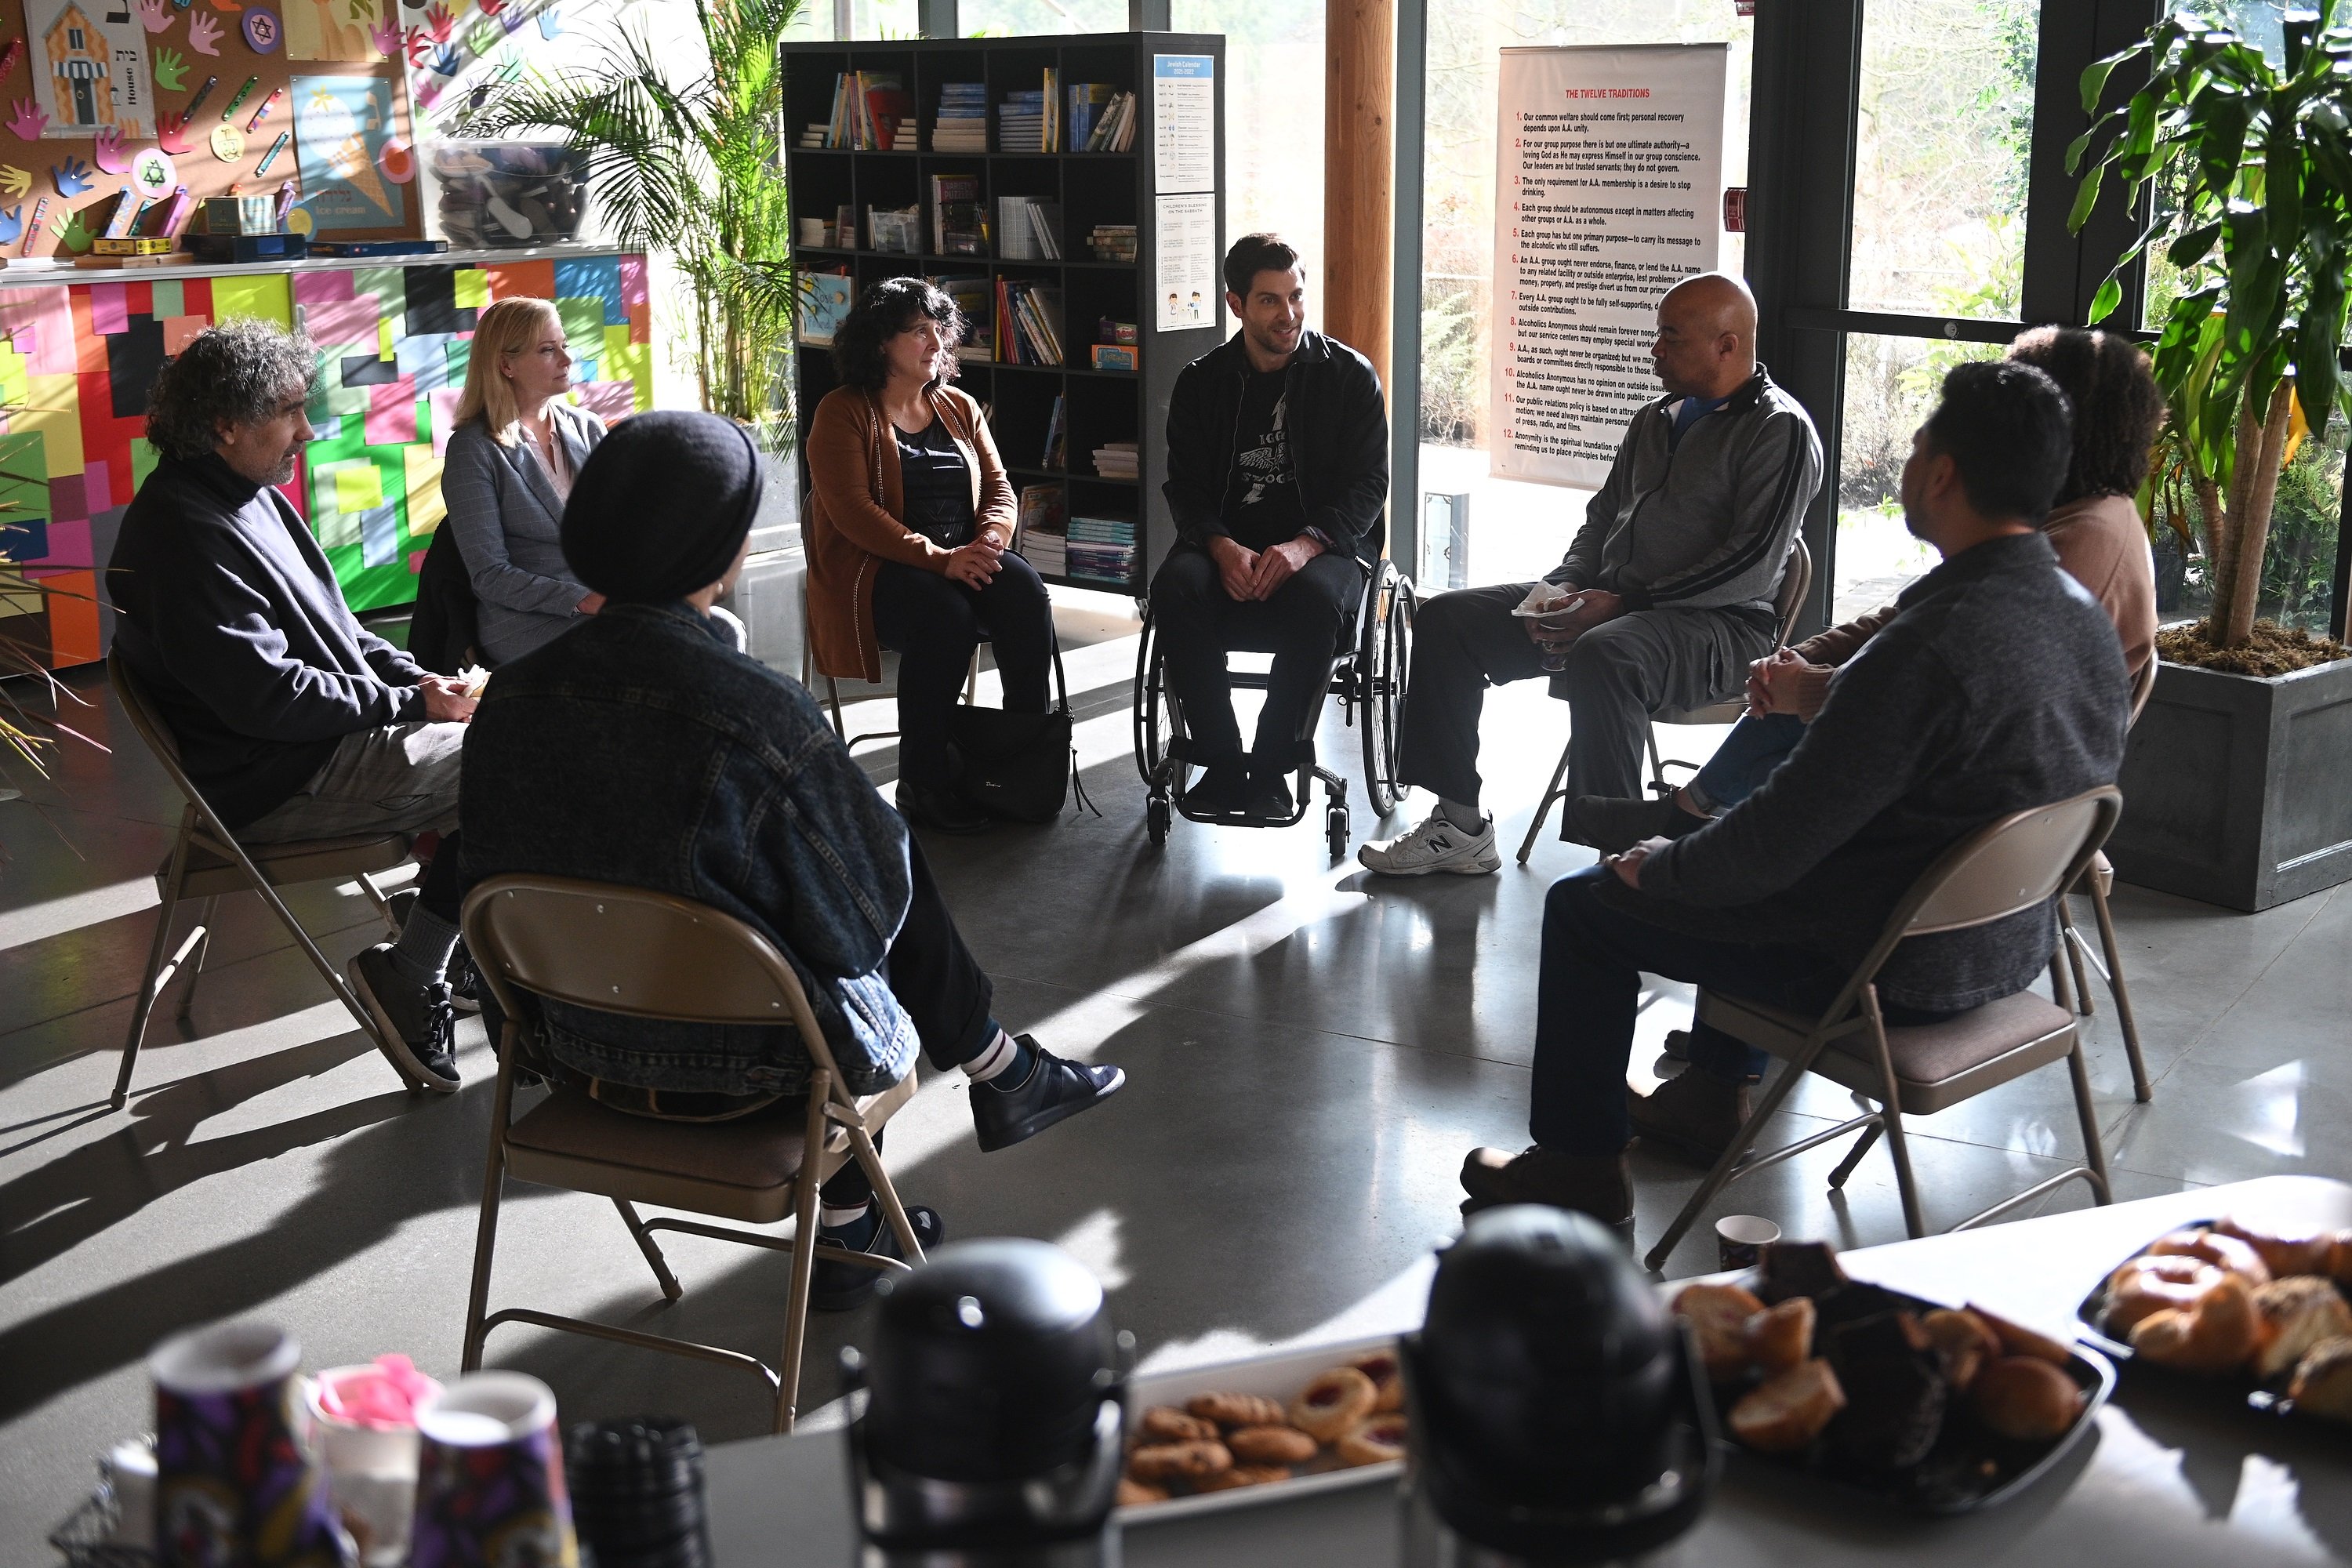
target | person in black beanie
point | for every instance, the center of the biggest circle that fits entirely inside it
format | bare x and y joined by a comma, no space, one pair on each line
642,748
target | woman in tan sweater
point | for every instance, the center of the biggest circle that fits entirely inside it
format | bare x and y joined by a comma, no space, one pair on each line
907,537
2094,526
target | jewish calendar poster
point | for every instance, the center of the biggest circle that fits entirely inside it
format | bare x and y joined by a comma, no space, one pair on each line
89,69
1608,192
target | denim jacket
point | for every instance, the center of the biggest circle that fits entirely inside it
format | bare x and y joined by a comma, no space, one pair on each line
639,748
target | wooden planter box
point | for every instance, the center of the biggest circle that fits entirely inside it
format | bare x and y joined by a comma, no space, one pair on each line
2238,789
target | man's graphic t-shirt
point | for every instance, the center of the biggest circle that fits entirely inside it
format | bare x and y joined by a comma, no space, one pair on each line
1262,502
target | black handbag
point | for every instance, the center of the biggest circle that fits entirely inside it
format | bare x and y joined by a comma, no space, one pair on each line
1017,766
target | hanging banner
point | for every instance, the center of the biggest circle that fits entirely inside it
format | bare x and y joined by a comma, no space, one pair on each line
1608,191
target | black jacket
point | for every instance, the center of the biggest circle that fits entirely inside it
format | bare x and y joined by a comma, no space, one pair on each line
1338,441
231,616
444,629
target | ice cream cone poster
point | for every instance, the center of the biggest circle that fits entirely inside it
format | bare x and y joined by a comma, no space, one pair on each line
340,126
89,69
333,29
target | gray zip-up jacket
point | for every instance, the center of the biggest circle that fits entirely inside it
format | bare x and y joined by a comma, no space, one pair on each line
1705,524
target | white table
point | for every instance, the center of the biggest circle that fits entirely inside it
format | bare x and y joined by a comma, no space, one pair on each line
2173,1478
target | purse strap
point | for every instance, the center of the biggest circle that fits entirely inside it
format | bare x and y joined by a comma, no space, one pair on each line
1062,707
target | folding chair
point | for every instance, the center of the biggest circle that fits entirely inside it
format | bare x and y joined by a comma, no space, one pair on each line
652,956
207,860
809,672
2022,861
2099,880
1796,578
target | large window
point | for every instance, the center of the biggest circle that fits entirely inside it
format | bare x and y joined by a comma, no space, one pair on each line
1275,66
1022,18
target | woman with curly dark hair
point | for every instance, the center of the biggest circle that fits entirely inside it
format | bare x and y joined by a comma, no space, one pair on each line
907,537
2094,524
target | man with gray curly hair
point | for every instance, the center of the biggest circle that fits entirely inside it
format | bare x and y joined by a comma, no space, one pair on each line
294,720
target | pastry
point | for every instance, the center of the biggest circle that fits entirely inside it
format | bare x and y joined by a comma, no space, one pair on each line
2284,1256
2323,1384
2024,1399
1235,1409
1160,1461
1964,1339
1374,1440
1778,1338
1270,1446
2339,1258
2297,1313
1388,1378
1788,1410
1799,1269
1334,1402
1131,1492
2016,1339
1242,1476
2148,1284
1166,1423
2222,1251
1718,1314
2220,1332
1895,1392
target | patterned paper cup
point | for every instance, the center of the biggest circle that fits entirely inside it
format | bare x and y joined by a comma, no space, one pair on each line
489,1483
236,1483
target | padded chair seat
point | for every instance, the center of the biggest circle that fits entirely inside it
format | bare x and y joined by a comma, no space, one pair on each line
1935,1064
211,873
743,1170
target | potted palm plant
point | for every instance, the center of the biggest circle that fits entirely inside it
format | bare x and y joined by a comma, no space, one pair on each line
2235,774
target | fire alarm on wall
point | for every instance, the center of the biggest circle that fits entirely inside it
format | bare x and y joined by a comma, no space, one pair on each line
1735,209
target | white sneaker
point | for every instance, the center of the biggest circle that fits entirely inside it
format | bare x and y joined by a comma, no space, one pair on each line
1435,846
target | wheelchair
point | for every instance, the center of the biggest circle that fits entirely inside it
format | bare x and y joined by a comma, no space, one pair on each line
1367,676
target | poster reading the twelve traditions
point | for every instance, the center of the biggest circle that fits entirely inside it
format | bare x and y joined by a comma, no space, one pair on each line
89,69
340,126
1608,192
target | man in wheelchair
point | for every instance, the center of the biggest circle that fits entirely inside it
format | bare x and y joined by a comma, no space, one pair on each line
1664,598
1277,471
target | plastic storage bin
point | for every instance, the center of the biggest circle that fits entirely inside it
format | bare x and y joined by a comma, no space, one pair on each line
497,194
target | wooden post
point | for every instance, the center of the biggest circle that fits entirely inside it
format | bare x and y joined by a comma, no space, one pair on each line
1359,171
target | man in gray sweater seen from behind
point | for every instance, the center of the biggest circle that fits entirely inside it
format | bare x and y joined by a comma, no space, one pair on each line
1672,578
1998,687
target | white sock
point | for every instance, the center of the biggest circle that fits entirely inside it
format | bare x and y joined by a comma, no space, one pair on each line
1468,818
993,1058
834,1219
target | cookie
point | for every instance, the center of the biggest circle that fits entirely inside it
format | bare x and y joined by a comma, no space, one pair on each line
1270,1446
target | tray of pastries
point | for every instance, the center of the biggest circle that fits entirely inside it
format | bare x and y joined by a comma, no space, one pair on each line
1262,1430
1935,1408
2262,1314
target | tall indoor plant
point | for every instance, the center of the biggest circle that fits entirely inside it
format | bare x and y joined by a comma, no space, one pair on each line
687,159
2251,166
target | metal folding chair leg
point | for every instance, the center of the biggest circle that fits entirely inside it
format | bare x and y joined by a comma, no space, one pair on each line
1553,791
670,1289
201,939
156,975
796,1300
1728,1167
486,1230
1891,1116
2070,941
2117,985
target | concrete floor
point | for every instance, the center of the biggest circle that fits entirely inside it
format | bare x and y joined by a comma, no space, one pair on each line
1309,1052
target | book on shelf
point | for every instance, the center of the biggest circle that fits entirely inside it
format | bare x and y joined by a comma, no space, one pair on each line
1052,94
1057,437
962,124
1117,459
825,305
1021,123
959,218
1101,549
973,301
813,134
1114,356
1086,101
1043,516
870,110
1028,228
1113,129
1028,323
1112,241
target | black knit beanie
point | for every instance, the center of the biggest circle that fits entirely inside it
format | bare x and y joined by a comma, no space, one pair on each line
661,506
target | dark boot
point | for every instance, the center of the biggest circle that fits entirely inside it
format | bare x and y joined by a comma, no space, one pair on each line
1695,1114
1600,1185
1615,826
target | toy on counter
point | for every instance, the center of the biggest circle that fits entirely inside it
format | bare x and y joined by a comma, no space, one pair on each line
508,193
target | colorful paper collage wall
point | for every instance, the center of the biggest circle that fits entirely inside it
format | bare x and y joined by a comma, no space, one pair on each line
76,361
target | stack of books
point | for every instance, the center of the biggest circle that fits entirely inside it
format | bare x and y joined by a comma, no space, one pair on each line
1021,123
1112,241
1088,101
1038,537
1116,459
1028,323
962,124
959,217
813,133
871,111
1028,230
1100,548
1112,129
973,301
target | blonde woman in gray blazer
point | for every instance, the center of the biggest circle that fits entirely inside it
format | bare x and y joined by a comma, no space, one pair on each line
507,473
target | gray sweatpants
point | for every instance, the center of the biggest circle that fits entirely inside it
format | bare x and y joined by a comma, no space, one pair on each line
402,778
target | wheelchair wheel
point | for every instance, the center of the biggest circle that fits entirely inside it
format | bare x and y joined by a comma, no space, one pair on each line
1155,816
1335,831
1155,716
1383,658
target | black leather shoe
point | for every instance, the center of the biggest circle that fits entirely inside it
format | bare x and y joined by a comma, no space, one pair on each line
838,1287
942,810
1614,826
415,1029
1004,1113
1222,787
1269,794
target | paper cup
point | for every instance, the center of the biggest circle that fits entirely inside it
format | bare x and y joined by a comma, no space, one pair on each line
370,1468
1740,1239
236,1483
490,1481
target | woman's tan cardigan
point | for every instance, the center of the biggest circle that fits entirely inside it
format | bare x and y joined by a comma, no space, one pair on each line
853,524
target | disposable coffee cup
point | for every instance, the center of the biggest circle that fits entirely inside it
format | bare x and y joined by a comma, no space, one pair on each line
490,1480
236,1478
1740,1239
371,1461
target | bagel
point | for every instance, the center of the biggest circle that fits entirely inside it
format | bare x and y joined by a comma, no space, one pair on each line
2222,1251
2220,1332
1334,1402
2284,1256
2150,1284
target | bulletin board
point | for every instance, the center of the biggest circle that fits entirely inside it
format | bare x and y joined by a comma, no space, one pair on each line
97,96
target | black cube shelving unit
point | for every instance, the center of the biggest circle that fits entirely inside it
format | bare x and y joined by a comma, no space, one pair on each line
1092,188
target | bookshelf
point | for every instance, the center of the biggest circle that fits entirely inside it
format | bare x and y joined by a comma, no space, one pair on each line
1101,407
